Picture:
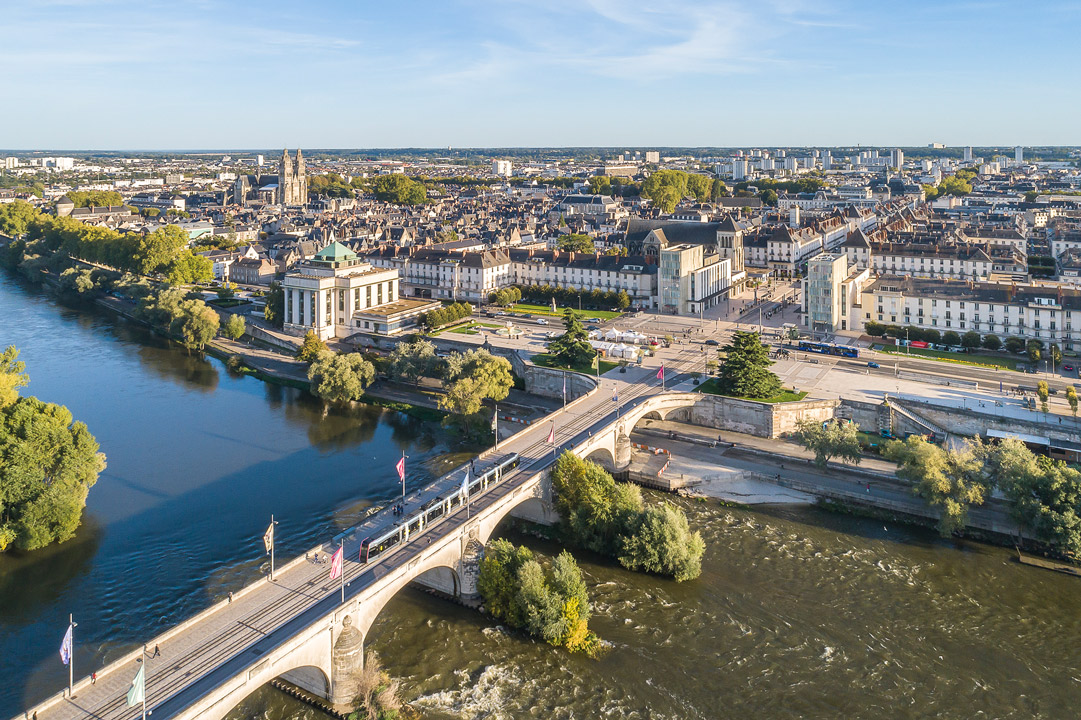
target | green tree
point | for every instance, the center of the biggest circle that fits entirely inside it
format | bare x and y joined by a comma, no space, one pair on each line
274,312
410,361
745,371
874,329
49,465
234,327
663,543
311,347
970,340
699,186
572,348
1071,397
497,579
576,242
1015,345
158,250
195,324
1034,348
15,217
623,300
188,268
600,185
768,197
95,198
340,378
951,338
950,479
1042,392
718,190
400,190
227,291
828,440
991,342
12,376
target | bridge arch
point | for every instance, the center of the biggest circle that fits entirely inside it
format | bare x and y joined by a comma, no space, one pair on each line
309,677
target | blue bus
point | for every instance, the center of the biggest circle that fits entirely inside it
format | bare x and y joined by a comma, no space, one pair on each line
829,348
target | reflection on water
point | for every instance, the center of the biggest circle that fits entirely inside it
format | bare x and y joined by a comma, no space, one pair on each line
198,461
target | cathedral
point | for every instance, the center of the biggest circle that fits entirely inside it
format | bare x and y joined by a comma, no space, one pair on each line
288,187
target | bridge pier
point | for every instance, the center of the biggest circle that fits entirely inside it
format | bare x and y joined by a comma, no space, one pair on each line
346,659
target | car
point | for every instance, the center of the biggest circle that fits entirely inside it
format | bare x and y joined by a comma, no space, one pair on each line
501,313
711,341
1068,368
542,321
872,364
594,320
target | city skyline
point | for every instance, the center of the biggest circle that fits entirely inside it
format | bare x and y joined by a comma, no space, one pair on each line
125,76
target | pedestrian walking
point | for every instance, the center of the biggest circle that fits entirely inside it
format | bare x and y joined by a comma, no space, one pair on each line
868,487
157,651
230,597
93,678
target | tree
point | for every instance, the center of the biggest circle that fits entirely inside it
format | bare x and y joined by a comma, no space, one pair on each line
600,185
1034,348
15,217
311,347
497,579
400,190
227,291
970,340
951,338
12,376
1071,397
623,300
1056,354
195,323
1042,392
594,510
49,465
745,371
874,329
189,268
1015,345
663,543
768,197
572,348
951,479
472,378
274,312
718,190
409,361
576,242
234,327
828,440
340,378
991,342
159,249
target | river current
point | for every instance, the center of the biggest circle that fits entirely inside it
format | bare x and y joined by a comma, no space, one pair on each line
799,613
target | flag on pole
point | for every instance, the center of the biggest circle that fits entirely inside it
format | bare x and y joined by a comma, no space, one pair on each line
552,435
336,563
65,647
495,419
268,538
660,373
137,692
465,484
400,467
564,386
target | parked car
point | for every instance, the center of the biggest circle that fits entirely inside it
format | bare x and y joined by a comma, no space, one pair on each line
542,321
872,364
594,320
711,341
1068,368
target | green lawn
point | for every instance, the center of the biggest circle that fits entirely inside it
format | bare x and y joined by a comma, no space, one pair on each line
957,358
710,386
470,328
547,310
546,360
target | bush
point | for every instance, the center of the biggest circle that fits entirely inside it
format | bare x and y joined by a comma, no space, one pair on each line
311,347
663,543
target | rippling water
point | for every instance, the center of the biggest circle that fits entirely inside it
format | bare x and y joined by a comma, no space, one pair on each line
798,613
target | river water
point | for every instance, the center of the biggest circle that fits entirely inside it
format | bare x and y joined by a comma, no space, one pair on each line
799,613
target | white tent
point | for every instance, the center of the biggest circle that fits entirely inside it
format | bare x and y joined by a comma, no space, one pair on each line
613,334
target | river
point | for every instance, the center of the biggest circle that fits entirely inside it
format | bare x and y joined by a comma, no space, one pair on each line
799,613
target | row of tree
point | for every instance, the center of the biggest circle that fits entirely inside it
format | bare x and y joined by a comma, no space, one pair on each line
591,299
48,463
445,315
1035,349
178,313
552,605
607,517
666,188
505,296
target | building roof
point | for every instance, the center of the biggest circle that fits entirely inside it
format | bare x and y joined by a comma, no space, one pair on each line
335,252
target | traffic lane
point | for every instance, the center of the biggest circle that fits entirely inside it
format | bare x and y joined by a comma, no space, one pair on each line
1009,378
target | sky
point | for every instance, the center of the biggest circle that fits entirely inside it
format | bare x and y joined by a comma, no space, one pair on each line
208,74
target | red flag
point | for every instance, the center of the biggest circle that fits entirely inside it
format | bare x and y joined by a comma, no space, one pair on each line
401,469
552,436
336,563
660,373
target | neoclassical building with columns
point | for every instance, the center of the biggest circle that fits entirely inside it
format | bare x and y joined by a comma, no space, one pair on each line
336,294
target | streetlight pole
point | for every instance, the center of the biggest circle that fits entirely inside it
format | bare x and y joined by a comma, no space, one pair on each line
495,423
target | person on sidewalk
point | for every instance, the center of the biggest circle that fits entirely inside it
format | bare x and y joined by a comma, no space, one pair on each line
157,651
93,678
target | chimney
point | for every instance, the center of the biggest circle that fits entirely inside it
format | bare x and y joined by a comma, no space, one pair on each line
793,217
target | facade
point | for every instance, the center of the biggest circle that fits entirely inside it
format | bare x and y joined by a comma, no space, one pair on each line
653,156
336,294
635,275
690,280
252,271
1051,314
447,275
503,168
292,180
824,304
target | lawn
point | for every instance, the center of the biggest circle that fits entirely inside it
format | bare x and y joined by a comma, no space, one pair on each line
547,310
546,360
958,358
710,386
470,328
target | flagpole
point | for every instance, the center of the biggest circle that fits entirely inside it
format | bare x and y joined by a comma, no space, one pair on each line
343,562
273,540
564,389
145,663
71,656
497,426
403,509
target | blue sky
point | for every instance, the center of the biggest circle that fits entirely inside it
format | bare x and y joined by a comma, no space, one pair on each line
122,74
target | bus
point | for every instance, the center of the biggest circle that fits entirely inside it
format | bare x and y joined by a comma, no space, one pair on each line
829,348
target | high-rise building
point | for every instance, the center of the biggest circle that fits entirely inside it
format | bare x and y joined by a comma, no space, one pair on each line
824,302
1019,155
259,160
968,154
897,158
653,156
503,168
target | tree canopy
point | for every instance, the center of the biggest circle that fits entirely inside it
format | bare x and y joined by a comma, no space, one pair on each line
400,190
409,361
576,242
340,378
745,370
828,440
950,479
572,348
49,463
311,347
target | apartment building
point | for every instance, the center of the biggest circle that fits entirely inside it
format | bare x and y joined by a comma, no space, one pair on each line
636,275
692,280
1051,314
444,274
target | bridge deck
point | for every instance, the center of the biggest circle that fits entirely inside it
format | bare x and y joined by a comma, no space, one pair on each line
220,643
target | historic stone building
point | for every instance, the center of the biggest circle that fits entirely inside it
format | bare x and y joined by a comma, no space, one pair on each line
292,180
